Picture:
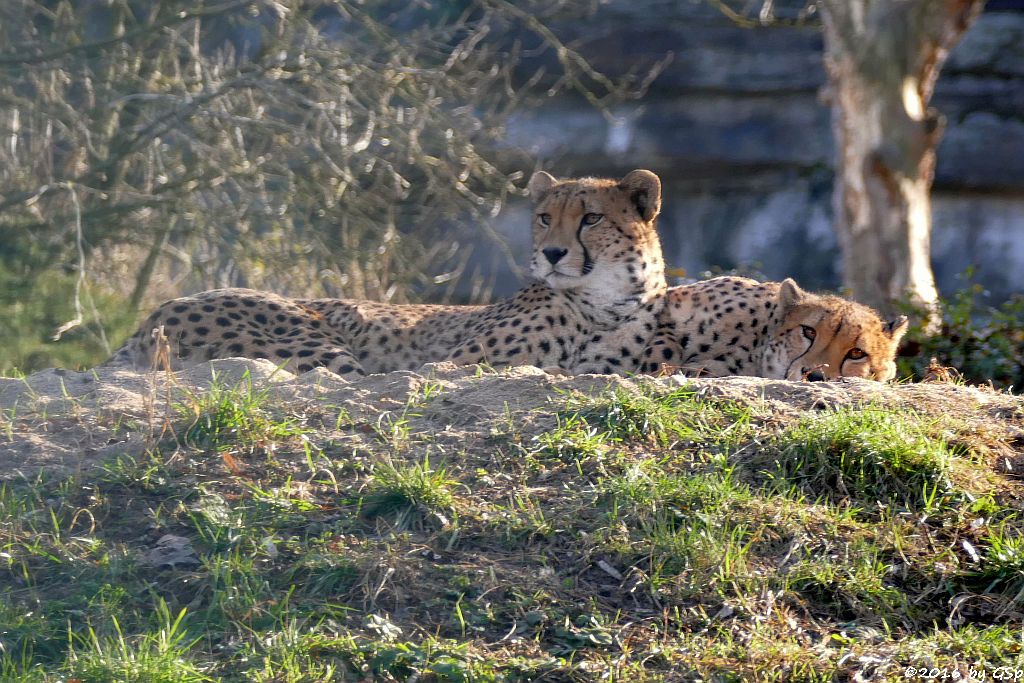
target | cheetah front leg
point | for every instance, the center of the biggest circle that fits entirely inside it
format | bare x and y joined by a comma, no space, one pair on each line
488,349
666,355
619,351
334,358
662,356
469,352
475,351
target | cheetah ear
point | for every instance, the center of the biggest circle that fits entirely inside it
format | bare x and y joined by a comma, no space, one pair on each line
790,293
645,191
896,327
540,182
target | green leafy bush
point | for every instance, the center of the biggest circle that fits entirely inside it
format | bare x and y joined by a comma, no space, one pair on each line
983,343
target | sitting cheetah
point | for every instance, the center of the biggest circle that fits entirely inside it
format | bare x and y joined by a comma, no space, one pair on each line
599,287
738,326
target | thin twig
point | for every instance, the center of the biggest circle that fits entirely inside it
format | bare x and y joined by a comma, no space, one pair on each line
79,239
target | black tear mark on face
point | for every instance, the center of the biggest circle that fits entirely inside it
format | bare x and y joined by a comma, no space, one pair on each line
789,368
588,262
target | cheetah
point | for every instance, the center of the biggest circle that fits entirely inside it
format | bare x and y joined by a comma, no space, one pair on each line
592,307
737,326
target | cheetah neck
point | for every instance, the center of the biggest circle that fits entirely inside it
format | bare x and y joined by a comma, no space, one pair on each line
607,308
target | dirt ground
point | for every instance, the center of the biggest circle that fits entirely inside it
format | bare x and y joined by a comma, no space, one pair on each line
62,421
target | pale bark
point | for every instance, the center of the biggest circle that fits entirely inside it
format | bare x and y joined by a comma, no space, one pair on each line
882,58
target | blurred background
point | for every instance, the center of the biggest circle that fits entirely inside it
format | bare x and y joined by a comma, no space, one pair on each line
151,148
736,128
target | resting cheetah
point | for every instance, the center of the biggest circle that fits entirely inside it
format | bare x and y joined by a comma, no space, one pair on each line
599,287
738,326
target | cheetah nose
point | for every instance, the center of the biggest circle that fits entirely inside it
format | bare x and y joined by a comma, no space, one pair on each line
554,254
815,376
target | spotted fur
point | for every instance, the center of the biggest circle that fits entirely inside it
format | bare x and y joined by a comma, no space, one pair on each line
593,307
737,326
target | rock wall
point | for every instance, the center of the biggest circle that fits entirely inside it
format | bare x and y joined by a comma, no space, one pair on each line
736,130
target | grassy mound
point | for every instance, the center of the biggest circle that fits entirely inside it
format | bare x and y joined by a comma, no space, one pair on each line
610,530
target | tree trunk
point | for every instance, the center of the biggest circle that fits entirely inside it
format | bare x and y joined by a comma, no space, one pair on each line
882,58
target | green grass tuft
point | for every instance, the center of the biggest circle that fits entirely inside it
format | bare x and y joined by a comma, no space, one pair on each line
866,455
223,418
411,490
158,657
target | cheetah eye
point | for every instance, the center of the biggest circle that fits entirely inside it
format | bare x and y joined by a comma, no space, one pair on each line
856,354
544,218
591,219
810,332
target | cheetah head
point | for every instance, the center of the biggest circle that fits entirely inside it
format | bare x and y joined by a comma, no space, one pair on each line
597,236
826,337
